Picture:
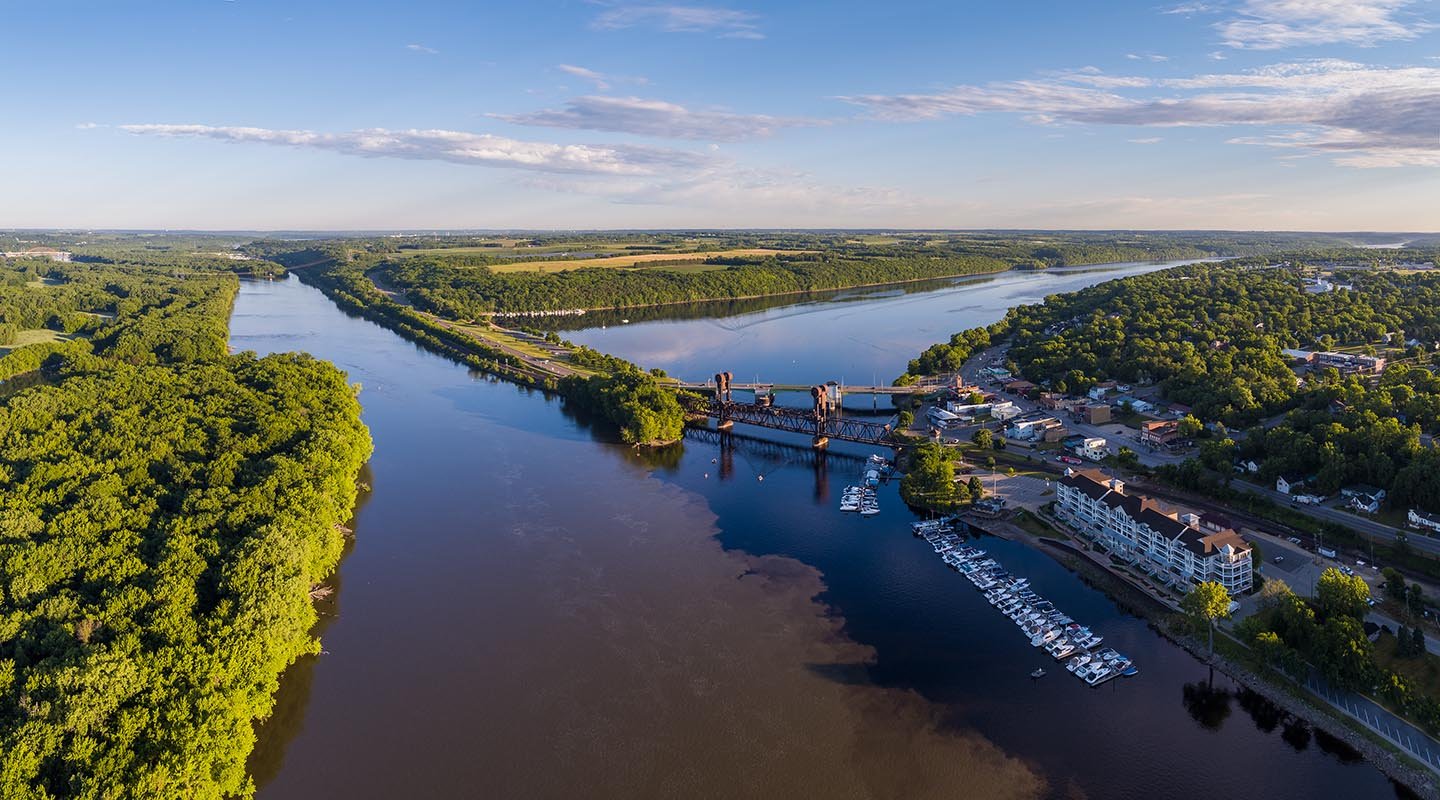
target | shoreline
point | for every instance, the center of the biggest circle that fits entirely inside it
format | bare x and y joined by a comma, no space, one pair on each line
1142,604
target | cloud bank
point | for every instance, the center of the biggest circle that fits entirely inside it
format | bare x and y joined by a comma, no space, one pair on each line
1364,116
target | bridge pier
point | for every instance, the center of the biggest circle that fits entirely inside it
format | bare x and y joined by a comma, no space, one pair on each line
820,442
725,425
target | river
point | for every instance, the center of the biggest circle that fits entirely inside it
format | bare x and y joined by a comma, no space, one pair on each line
530,611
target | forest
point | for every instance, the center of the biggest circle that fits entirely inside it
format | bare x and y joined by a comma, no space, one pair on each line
167,510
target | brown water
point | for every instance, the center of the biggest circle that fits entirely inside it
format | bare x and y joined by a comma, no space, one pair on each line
531,612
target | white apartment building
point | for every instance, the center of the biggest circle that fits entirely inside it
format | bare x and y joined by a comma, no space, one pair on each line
1134,528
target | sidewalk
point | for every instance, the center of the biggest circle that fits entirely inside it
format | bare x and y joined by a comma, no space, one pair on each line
1394,729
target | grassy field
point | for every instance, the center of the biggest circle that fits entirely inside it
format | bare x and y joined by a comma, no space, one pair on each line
1422,673
629,261
34,336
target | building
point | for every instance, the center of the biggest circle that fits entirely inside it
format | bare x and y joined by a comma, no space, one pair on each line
1364,498
1160,433
1095,413
941,418
1020,387
1094,448
1136,404
1249,465
1031,427
1136,528
1178,410
1099,390
1349,363
1424,520
1289,484
1300,356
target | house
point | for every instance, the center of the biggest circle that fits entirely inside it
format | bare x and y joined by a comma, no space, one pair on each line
1122,387
1099,390
1289,484
1300,356
1095,414
1424,520
1364,498
1178,547
1020,387
1178,410
1054,401
1159,433
1248,465
1094,448
1052,432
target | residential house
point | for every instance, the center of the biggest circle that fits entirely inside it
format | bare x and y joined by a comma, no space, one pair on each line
1289,484
1248,465
1180,547
1178,410
1020,387
1364,498
1424,520
1099,390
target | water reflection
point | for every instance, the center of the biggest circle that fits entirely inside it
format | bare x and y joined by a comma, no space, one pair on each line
1207,705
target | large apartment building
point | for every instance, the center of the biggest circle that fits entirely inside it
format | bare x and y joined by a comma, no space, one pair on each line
1136,528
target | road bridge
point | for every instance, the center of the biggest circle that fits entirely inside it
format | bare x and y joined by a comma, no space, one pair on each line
822,422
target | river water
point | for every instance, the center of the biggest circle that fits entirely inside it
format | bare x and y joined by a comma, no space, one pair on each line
531,611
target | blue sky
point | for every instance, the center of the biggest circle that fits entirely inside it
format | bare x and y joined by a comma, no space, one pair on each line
220,114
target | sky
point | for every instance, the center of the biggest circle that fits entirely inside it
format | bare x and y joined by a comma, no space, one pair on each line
563,114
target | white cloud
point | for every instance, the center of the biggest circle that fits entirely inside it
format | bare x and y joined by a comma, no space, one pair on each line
591,75
1275,24
1147,57
1218,56
723,22
654,118
602,81
456,147
1362,116
1146,140
420,48
1190,9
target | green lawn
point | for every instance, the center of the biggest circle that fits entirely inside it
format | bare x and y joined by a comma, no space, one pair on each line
34,336
1422,673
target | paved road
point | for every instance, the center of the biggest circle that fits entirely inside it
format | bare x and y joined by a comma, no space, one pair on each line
1370,527
1404,735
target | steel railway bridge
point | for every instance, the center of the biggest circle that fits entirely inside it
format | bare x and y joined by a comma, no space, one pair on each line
823,422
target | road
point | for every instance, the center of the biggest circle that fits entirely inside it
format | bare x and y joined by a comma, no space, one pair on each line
1404,735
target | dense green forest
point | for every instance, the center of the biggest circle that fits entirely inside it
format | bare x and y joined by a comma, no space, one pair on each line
167,510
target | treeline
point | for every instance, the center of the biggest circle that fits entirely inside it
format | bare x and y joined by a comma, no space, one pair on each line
167,510
644,412
438,286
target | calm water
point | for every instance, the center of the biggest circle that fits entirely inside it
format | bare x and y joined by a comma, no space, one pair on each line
529,611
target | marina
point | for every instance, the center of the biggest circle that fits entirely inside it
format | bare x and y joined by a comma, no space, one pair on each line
1046,626
863,497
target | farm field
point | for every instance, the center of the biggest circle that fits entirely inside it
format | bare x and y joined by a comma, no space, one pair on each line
629,261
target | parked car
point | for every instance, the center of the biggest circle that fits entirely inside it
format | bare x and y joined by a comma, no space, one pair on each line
1293,540
1278,559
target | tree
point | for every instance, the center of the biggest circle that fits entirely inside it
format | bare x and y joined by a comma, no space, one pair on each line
1273,592
1403,641
1343,653
1417,641
1338,594
1190,426
1127,458
905,419
1204,604
1394,583
1415,599
982,438
930,480
977,488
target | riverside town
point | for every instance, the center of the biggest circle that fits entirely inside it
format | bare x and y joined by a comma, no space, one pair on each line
720,399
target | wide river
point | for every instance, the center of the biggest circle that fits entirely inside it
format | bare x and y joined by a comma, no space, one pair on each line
530,611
